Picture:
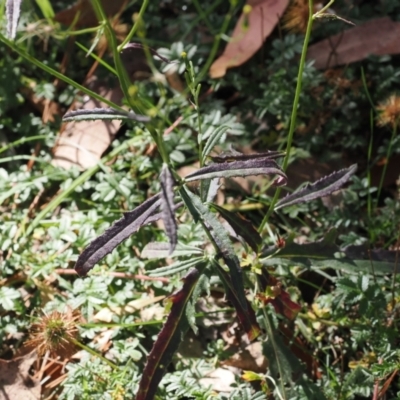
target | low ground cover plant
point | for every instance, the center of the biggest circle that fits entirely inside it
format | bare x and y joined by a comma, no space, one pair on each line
312,283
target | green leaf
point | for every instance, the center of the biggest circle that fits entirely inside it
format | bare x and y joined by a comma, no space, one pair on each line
213,140
258,166
168,340
323,187
176,267
103,114
246,316
241,227
284,367
221,242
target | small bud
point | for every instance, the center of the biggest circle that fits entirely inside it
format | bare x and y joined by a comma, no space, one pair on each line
247,9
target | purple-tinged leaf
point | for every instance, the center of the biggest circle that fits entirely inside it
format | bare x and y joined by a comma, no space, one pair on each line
167,206
13,8
258,166
103,114
221,241
326,254
117,233
140,46
168,340
241,226
323,187
247,316
236,156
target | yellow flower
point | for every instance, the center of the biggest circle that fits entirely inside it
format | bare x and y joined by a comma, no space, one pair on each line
389,111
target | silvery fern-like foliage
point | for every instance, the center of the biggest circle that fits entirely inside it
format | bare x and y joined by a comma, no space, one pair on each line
13,8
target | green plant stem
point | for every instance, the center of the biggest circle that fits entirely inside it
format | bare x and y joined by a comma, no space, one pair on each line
98,59
135,26
369,203
57,74
388,153
93,352
293,118
22,141
124,80
215,45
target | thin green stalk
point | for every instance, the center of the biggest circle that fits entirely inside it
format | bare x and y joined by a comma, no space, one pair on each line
369,201
22,141
93,352
76,183
97,58
270,334
199,18
124,79
293,118
388,153
57,74
203,15
216,43
135,26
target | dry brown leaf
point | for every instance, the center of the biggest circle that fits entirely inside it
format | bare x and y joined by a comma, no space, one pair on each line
15,381
87,17
378,36
249,34
82,144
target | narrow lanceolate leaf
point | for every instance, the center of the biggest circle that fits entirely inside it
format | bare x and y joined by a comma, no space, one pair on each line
152,51
168,339
236,156
103,114
13,8
323,187
178,266
241,226
221,241
212,191
117,233
258,166
247,317
167,206
161,250
213,140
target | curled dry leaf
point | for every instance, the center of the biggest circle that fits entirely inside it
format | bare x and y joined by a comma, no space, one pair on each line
249,34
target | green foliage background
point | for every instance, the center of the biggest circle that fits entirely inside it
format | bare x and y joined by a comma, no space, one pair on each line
349,321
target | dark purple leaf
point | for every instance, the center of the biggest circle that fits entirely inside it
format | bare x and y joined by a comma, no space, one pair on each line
241,227
246,316
221,241
236,156
258,166
323,187
103,114
167,206
117,233
168,340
